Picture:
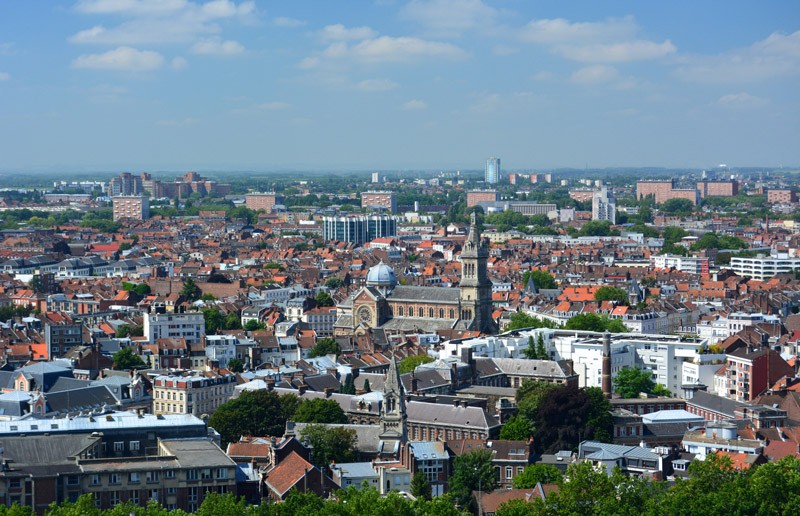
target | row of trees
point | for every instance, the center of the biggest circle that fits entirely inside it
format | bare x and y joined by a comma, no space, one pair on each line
581,322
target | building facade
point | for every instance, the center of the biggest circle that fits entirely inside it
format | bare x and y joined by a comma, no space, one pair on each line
763,268
781,196
604,205
359,229
384,200
189,325
261,201
477,196
195,394
131,207
718,188
492,175
690,264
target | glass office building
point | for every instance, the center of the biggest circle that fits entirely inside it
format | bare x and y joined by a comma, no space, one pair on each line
492,170
359,229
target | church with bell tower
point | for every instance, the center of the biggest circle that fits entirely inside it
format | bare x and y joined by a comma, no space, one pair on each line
382,303
393,419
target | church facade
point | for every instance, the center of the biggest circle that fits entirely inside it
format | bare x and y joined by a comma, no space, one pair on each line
382,303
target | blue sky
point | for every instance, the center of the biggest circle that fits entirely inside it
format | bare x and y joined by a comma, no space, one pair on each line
110,85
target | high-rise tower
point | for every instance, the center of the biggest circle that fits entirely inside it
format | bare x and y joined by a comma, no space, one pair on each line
492,170
476,288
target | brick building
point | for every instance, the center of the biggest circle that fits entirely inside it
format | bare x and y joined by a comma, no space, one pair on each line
262,201
387,200
718,188
662,191
476,196
781,196
582,194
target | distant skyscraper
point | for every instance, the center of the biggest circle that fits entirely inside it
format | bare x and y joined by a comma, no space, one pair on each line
376,177
492,170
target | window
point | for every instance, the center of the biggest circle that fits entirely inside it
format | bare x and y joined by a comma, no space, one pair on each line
205,474
192,494
134,445
115,497
152,476
114,479
509,472
411,311
133,478
134,497
73,481
94,480
520,469
222,473
430,313
154,495
170,473
16,483
119,446
172,490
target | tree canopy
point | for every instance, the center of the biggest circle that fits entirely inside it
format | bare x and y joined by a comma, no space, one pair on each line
611,294
472,471
126,359
330,444
594,322
324,299
535,473
408,364
629,382
319,410
542,279
253,413
520,320
325,346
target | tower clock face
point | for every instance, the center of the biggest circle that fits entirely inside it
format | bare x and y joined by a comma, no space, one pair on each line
364,314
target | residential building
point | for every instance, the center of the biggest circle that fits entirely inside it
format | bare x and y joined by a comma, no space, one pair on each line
188,325
750,372
194,394
664,190
604,205
764,268
727,188
492,175
720,436
689,264
375,200
133,207
583,194
524,207
781,196
262,201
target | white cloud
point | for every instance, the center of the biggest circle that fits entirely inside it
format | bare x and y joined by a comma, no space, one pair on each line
776,56
217,47
4,76
742,100
506,102
179,63
559,30
308,63
595,74
291,23
543,76
377,85
449,17
636,50
504,50
156,21
7,49
273,106
122,58
414,105
339,32
389,49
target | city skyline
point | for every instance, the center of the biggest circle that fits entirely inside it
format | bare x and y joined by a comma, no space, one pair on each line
113,85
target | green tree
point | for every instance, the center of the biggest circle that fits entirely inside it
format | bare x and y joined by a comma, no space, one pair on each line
349,386
254,325
673,234
599,419
615,294
408,364
142,289
125,359
420,488
213,319
535,473
520,320
253,413
530,352
35,283
678,206
320,410
648,281
324,299
629,382
236,365
208,297
542,279
123,331
594,322
232,322
190,290
660,390
366,387
334,283
471,472
517,428
330,444
325,346
562,419
540,349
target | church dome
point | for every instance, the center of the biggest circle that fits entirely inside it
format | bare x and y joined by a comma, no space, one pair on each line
381,276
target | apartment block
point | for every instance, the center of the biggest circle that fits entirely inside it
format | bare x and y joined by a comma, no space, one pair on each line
662,191
381,200
690,264
763,268
781,196
189,325
131,207
191,394
718,188
262,201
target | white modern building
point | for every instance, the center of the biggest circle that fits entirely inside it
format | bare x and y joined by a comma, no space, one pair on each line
190,326
492,170
689,264
720,329
604,205
764,268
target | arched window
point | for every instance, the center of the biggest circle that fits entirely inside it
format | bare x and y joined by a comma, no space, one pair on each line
400,311
441,313
430,313
452,314
411,311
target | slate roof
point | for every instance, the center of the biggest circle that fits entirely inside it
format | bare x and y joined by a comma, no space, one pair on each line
431,294
715,403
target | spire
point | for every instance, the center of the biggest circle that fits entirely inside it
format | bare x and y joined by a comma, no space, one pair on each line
474,234
530,286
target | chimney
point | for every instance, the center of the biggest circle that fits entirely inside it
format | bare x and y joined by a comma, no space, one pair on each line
328,391
455,402
463,403
273,441
414,383
270,385
606,370
301,389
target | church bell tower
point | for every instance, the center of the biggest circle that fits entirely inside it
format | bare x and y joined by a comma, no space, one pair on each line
476,288
394,427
